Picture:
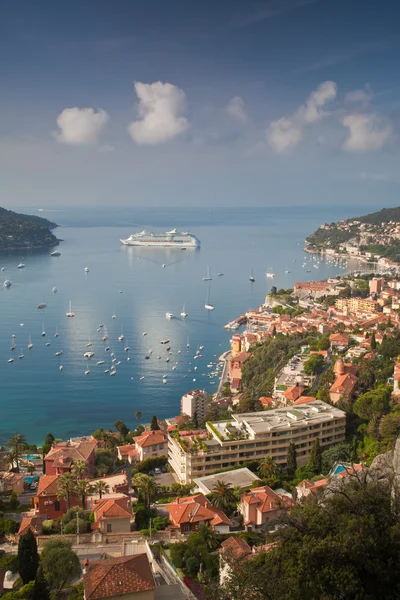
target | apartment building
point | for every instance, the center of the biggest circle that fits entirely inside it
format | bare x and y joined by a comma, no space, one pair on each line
252,436
357,305
194,402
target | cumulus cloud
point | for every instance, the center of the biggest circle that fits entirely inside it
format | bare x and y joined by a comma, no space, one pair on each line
284,134
236,108
161,106
366,132
80,126
362,96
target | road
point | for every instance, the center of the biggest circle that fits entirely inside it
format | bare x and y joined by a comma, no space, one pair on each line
225,372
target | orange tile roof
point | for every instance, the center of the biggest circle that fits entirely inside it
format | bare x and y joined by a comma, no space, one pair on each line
128,450
48,485
304,400
266,499
236,547
34,523
72,450
266,401
150,438
194,509
344,383
294,392
117,577
112,508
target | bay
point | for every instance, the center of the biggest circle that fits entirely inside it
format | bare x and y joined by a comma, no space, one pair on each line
36,397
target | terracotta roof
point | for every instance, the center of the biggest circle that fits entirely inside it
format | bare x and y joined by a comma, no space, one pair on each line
128,450
294,392
241,357
150,438
73,450
112,508
265,498
339,338
116,577
11,478
48,485
266,401
344,383
304,400
194,509
235,547
313,486
34,523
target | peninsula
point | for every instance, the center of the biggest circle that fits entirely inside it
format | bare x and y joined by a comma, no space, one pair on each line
374,237
19,231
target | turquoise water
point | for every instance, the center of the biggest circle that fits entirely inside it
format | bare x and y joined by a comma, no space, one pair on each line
37,398
339,469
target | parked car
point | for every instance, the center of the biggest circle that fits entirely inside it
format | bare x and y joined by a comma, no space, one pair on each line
157,471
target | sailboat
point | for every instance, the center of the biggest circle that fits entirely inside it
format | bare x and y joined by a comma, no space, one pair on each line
184,313
13,345
22,354
187,343
30,345
208,305
70,313
56,334
252,277
89,344
208,276
43,331
270,273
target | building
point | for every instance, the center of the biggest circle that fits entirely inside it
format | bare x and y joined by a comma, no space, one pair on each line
232,549
62,456
293,393
357,305
123,578
240,478
47,502
252,436
262,505
113,515
314,289
194,403
11,483
345,382
376,285
307,487
236,365
186,514
339,340
33,523
149,444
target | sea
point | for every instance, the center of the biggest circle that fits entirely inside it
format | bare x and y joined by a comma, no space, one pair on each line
36,397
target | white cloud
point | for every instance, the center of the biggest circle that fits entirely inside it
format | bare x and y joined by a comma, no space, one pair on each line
285,133
80,126
160,110
367,132
362,96
237,109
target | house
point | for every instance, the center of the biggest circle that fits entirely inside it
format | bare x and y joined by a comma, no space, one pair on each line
232,549
11,483
126,577
262,505
62,456
307,487
186,514
304,400
339,340
33,523
236,365
113,515
293,393
266,401
344,384
117,485
46,501
149,444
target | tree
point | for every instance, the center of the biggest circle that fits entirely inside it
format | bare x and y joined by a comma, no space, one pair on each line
314,364
138,416
373,341
40,589
79,468
100,488
154,423
274,331
122,428
268,468
48,442
66,488
83,488
291,460
195,421
60,563
373,404
146,487
28,557
16,444
223,496
316,458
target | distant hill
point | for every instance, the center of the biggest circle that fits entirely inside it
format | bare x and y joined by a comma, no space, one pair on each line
382,216
18,231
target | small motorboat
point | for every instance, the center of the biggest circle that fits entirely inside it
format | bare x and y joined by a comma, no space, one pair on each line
86,269
21,266
169,315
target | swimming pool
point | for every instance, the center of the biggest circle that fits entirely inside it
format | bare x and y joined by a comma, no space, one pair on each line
30,456
339,469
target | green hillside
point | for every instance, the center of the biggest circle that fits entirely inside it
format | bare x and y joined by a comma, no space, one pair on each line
18,231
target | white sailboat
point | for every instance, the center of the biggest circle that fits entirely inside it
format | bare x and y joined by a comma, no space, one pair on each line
13,345
30,345
208,276
56,334
184,314
208,304
252,277
22,354
70,313
43,331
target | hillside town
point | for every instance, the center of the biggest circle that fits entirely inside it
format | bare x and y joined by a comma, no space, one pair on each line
309,402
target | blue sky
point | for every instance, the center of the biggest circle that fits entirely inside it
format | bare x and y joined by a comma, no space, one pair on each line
239,102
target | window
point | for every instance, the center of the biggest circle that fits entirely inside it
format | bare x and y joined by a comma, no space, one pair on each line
109,527
57,505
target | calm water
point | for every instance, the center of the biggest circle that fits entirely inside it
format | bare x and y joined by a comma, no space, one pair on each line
37,398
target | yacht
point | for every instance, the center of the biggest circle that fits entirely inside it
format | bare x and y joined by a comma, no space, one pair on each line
252,279
100,362
54,290
270,274
220,274
113,316
86,269
58,353
169,315
121,337
21,266
169,239
60,368
10,360
70,313
208,276
166,341
56,333
88,354
3,268
30,345
208,305
55,253
48,343
7,283
184,314
43,331
87,372
21,355
41,305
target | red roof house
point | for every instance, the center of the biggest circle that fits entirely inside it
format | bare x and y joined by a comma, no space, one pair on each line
188,513
113,515
262,505
46,501
62,456
117,578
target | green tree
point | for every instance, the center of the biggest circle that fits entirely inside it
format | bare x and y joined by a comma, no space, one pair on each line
315,462
138,416
373,404
83,488
373,341
79,468
154,423
122,428
66,488
268,468
48,442
291,460
16,444
314,364
40,589
28,557
147,488
100,488
223,496
60,563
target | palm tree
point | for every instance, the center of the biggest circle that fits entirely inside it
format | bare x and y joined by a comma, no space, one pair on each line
79,468
209,536
83,488
146,487
268,468
138,415
100,488
223,496
109,440
16,444
66,488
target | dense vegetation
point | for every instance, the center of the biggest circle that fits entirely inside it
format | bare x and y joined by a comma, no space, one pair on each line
18,231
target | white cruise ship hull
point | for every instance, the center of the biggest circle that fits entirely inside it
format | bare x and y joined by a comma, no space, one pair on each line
170,239
161,243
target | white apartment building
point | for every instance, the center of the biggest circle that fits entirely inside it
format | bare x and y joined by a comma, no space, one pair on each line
194,402
253,436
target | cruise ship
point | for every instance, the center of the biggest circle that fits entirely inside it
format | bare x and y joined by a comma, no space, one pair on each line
174,238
